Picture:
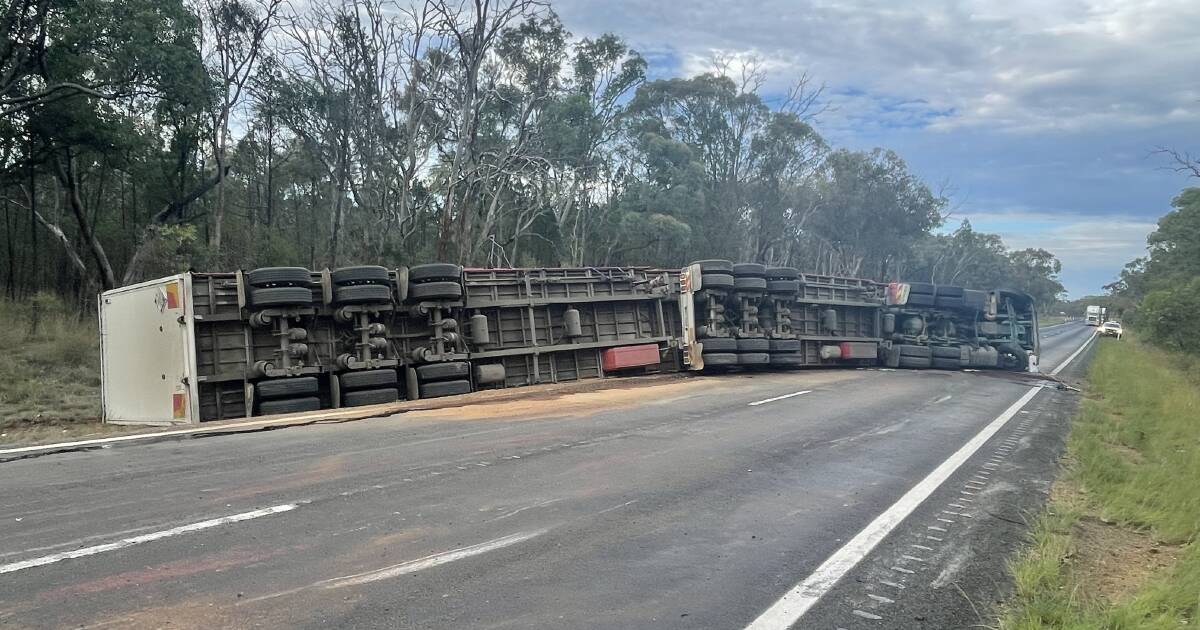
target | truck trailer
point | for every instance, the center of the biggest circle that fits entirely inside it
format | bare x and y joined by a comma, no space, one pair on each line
197,347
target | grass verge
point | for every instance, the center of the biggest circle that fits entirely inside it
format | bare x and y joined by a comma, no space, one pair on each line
49,371
1115,547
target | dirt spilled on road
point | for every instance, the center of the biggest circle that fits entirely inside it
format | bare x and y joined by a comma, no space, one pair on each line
604,397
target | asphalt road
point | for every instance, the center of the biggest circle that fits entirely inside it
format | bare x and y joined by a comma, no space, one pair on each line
683,503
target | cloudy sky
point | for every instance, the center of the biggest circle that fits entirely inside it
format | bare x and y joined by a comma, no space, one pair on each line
1040,115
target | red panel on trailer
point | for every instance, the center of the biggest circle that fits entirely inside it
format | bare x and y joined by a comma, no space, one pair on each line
629,356
859,349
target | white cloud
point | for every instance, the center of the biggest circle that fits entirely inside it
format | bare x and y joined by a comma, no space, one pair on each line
1049,106
1092,250
1026,66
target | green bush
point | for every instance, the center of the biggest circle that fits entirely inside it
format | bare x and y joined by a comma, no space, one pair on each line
1169,316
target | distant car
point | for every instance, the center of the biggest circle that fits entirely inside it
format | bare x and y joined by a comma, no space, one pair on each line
1111,329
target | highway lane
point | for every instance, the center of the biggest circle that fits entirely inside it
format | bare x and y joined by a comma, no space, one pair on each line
677,504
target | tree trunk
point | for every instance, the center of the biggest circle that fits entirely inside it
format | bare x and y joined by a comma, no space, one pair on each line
66,175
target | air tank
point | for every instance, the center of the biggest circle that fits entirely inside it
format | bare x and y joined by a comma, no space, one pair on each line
479,330
572,326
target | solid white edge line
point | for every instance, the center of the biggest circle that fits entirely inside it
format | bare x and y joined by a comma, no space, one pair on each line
145,538
1061,366
763,402
789,608
144,436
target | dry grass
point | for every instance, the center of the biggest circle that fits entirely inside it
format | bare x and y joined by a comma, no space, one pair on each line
50,372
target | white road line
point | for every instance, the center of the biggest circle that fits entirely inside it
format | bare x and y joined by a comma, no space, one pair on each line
788,610
1064,364
146,436
763,402
412,566
145,538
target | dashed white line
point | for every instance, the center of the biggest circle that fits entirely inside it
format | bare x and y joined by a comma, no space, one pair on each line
427,562
768,400
145,538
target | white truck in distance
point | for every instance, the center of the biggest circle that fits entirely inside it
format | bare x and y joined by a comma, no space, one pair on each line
1095,314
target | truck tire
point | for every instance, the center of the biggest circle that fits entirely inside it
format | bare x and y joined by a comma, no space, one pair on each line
924,288
939,363
280,296
783,286
362,294
782,273
945,352
1013,357
716,281
720,359
749,283
948,290
435,272
753,345
364,274
288,405
370,397
444,371
787,359
753,358
949,302
445,388
786,345
750,270
915,363
367,379
440,290
720,344
908,350
279,277
920,299
286,387
715,265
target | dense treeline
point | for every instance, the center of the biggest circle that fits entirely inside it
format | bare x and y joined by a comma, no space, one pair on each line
142,137
1160,292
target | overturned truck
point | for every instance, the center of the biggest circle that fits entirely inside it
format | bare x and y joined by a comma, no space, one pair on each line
207,346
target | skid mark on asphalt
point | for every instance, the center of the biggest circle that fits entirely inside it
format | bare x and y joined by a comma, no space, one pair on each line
935,554
797,601
411,566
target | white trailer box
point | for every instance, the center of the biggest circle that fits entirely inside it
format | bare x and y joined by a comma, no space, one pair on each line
148,354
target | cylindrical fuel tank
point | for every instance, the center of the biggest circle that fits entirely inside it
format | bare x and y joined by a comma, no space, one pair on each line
488,373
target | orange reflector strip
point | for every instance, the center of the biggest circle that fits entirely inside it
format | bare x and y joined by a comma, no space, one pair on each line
173,295
179,405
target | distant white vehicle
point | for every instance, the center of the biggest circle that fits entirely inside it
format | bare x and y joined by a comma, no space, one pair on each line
1111,329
